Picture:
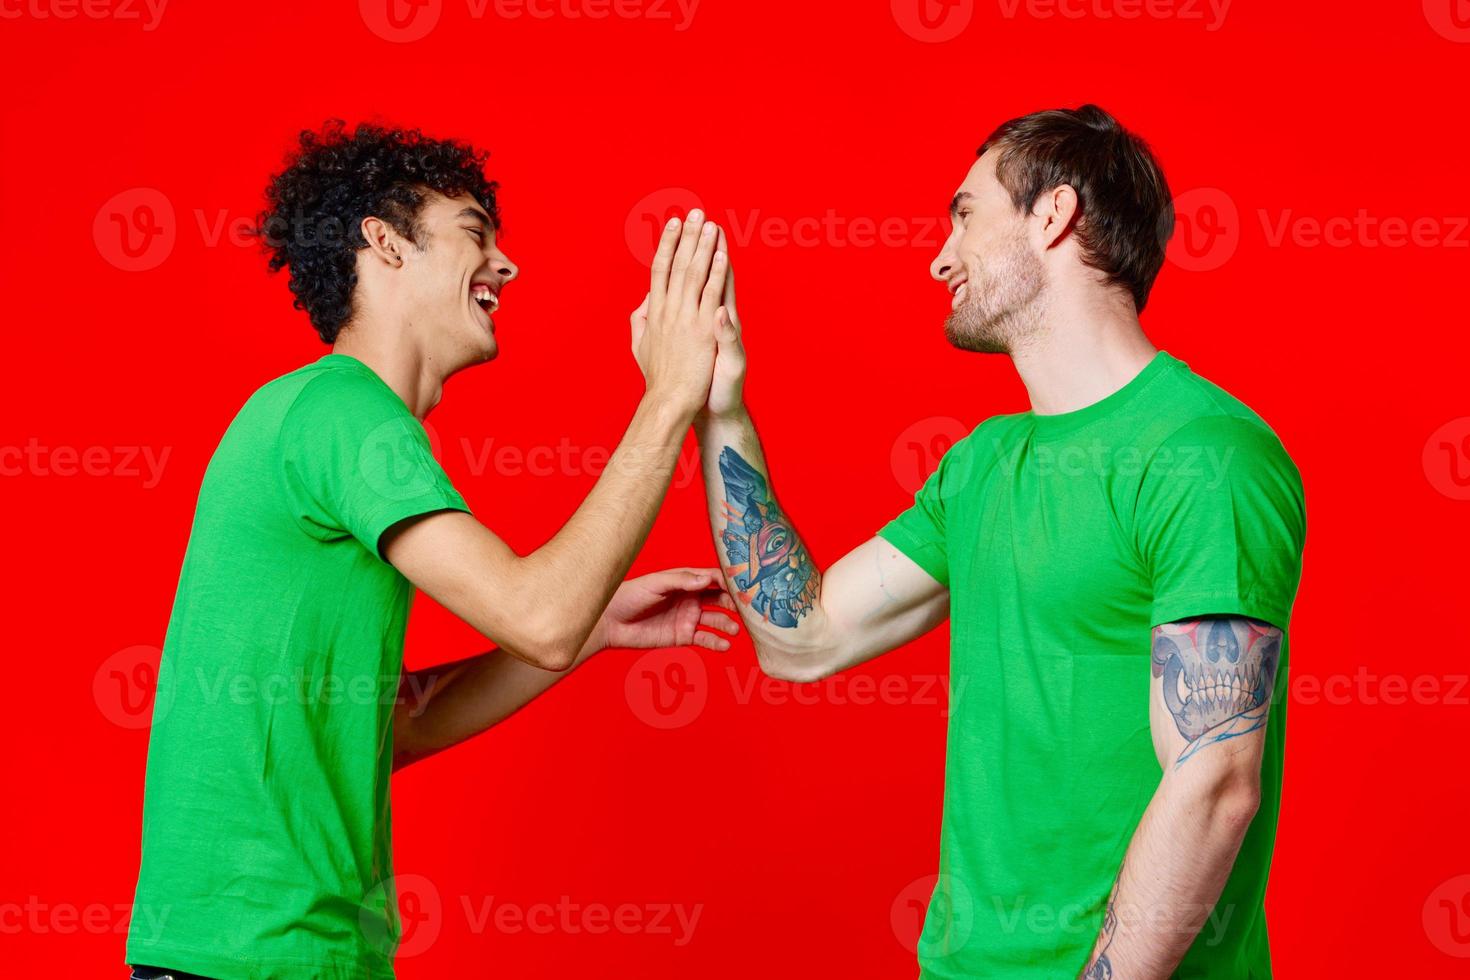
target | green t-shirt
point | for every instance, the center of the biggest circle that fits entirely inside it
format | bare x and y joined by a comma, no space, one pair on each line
266,826
1063,539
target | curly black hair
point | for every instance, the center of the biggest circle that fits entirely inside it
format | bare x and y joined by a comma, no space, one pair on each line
315,207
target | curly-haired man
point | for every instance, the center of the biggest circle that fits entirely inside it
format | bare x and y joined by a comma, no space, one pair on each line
282,707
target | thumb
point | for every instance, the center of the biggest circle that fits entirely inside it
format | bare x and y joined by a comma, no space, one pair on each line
638,320
724,328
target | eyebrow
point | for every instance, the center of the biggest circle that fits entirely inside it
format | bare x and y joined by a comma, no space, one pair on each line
475,214
960,198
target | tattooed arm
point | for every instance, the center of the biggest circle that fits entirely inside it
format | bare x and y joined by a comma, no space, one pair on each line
1209,697
805,624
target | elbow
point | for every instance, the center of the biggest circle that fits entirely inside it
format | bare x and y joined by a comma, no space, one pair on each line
545,640
1236,801
797,673
558,661
805,666
554,655
555,648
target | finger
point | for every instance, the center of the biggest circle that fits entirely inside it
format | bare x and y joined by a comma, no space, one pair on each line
697,275
663,257
724,328
714,286
688,244
708,578
681,579
717,597
711,642
729,295
716,619
700,578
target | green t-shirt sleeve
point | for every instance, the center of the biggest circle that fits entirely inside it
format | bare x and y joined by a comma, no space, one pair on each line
357,462
1221,523
919,532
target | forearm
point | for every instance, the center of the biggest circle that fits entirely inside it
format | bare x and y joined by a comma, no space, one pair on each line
765,563
446,704
571,578
1171,877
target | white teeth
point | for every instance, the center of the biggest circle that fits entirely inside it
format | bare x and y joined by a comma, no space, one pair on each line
485,296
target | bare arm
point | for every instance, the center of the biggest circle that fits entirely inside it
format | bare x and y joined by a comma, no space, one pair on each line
805,623
542,608
443,705
1208,706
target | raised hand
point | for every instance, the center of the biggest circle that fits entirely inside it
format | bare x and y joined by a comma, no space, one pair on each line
728,382
674,328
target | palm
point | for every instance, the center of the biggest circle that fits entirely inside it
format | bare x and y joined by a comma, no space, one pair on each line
640,617
667,609
729,378
725,392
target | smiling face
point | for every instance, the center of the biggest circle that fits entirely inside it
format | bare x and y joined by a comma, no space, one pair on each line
454,274
990,265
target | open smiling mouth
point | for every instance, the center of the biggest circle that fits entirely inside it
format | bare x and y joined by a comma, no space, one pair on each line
485,297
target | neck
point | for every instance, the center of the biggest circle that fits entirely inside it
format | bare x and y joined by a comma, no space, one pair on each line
1085,349
393,356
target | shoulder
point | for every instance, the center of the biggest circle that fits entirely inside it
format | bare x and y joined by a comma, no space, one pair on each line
1201,418
339,391
992,437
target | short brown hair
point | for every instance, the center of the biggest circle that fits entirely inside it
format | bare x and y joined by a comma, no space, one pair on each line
1125,213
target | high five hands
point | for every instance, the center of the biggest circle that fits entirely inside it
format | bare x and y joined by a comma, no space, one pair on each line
686,332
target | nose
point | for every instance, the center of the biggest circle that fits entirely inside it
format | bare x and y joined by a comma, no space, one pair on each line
942,264
503,266
945,262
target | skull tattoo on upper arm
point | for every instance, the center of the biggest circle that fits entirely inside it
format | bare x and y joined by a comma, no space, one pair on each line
1217,677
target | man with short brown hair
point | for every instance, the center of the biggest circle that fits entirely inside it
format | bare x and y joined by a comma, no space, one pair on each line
1118,564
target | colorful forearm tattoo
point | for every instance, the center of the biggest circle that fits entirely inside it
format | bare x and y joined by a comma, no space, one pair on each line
767,562
1217,677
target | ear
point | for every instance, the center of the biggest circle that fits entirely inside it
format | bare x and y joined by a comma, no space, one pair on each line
383,242
1058,210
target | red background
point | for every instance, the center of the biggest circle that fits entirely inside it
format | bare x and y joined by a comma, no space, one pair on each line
794,828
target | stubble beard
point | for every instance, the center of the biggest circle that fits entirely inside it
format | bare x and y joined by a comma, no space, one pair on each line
1001,312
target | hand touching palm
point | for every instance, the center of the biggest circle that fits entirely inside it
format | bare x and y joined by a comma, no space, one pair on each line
725,392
